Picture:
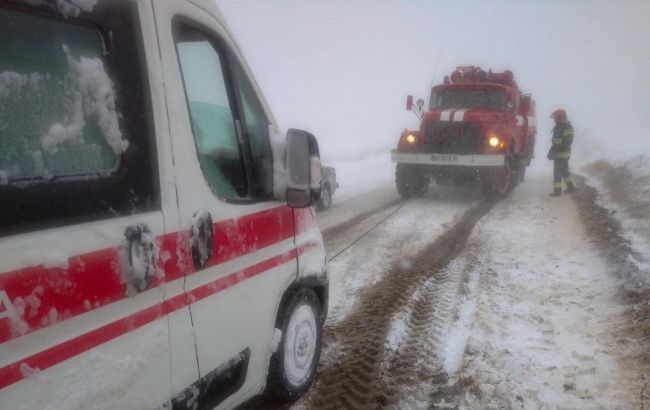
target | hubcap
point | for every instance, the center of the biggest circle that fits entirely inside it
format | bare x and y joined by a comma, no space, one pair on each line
300,345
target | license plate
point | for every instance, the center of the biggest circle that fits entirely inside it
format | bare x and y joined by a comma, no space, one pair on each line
444,158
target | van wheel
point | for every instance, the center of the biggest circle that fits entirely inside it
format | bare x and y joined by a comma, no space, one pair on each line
293,366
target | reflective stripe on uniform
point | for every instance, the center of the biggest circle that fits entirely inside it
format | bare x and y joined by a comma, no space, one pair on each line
557,185
568,133
562,155
557,141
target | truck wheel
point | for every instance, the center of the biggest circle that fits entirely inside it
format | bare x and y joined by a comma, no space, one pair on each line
498,183
325,199
487,187
504,178
410,181
293,365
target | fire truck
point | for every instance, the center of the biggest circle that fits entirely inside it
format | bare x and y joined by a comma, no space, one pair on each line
478,126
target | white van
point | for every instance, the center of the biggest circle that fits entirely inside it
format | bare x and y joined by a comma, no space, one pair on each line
157,244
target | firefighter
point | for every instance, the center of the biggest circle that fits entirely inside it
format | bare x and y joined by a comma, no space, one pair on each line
560,152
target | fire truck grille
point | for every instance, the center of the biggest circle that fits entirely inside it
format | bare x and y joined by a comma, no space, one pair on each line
453,138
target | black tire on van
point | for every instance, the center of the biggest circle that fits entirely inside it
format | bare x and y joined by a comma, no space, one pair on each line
293,365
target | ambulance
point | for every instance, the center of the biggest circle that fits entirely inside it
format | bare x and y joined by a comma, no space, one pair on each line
158,248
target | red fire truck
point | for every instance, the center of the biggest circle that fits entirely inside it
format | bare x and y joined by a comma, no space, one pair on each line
478,127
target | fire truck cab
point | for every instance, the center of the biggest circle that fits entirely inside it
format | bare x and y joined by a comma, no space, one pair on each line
478,126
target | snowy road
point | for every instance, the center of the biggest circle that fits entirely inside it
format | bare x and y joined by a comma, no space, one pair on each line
458,303
540,322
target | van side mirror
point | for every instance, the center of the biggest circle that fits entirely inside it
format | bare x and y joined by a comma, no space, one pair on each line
409,103
303,169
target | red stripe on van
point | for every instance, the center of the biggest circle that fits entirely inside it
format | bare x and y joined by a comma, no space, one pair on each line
45,359
43,296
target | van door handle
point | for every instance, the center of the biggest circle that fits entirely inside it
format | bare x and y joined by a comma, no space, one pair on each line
202,247
141,254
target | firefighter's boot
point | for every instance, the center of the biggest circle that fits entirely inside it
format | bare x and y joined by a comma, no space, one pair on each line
569,188
556,192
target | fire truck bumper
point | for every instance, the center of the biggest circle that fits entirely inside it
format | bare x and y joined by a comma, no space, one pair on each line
477,160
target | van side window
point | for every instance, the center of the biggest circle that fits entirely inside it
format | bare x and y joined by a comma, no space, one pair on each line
256,126
76,142
57,108
210,105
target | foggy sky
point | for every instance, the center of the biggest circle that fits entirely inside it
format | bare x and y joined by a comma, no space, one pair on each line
342,68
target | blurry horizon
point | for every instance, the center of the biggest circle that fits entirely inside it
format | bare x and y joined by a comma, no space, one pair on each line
342,69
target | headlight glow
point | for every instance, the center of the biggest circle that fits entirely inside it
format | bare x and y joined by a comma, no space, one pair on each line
410,139
494,142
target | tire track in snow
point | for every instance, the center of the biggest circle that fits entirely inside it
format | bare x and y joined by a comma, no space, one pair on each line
416,374
357,378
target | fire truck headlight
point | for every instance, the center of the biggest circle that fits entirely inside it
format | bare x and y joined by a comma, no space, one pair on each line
494,142
411,139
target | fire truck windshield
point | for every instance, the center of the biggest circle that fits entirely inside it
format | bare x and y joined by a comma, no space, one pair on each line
468,98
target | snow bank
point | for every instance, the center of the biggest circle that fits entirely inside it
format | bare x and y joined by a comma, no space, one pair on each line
624,188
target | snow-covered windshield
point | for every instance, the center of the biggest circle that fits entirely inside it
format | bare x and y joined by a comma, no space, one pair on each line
467,98
57,108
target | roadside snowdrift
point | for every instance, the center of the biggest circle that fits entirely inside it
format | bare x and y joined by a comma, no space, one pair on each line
546,316
624,188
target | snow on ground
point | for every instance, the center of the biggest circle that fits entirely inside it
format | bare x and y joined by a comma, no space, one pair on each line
408,231
365,183
624,186
537,325
348,208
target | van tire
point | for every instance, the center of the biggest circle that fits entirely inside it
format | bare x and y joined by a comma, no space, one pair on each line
293,366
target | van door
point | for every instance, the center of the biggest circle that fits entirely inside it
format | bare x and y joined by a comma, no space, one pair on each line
82,319
239,248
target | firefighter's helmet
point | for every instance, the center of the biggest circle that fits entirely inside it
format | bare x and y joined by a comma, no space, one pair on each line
559,114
